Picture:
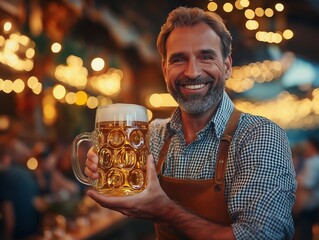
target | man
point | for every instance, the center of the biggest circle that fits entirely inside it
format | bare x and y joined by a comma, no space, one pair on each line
195,195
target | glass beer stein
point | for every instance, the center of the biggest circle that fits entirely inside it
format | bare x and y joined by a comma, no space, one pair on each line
120,140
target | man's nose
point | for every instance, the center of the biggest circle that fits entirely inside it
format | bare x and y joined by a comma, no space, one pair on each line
193,69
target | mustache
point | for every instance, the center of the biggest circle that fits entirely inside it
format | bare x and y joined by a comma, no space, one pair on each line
198,80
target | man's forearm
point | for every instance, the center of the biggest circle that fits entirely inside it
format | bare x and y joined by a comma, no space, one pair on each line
193,226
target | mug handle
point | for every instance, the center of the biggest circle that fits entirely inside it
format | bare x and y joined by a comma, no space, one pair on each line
78,172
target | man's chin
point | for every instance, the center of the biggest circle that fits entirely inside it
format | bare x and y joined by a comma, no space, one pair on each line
194,107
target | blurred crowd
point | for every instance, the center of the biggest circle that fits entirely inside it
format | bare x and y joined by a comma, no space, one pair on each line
306,208
36,180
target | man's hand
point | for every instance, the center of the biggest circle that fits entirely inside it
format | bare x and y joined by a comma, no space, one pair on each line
150,204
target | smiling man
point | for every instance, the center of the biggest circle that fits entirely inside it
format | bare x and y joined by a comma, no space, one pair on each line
218,173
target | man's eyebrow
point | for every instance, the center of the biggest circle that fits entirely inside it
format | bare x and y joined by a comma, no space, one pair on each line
176,55
209,51
203,51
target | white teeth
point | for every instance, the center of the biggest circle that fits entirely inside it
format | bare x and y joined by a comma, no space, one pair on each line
194,87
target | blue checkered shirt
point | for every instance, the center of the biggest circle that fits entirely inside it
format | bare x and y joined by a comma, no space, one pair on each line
260,177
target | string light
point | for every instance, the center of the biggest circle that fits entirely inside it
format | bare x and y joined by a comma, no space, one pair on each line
263,36
269,12
212,6
73,74
288,34
249,14
56,47
7,26
298,113
279,7
97,64
228,7
243,78
12,50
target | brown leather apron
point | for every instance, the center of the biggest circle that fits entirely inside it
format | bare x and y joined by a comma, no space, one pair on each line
203,197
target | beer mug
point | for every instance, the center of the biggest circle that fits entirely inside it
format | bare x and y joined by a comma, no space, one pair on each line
120,140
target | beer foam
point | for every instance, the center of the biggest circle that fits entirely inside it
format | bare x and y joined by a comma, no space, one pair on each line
121,112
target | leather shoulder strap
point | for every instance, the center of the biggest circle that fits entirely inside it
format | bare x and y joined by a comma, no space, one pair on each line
224,146
162,156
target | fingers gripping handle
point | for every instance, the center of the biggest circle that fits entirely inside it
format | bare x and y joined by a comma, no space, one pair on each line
76,166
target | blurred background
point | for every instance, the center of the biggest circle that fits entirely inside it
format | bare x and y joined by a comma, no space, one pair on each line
61,59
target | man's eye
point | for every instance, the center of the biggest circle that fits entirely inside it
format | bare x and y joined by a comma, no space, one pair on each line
207,57
177,60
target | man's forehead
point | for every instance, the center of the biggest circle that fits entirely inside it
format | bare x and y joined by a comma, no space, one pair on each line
198,38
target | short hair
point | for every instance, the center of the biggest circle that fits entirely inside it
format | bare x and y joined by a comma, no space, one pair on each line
183,16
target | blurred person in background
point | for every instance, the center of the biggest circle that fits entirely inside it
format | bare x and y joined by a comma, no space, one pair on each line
55,187
193,195
306,209
18,189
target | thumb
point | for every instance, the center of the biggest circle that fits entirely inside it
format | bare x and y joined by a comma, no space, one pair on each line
151,169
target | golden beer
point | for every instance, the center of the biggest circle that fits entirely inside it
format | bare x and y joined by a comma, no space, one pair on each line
122,152
120,139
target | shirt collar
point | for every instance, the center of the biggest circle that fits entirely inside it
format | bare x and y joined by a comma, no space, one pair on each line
218,121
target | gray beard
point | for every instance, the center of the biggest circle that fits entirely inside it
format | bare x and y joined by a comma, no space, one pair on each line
197,104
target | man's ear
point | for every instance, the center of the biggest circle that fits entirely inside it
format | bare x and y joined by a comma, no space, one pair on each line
228,66
164,68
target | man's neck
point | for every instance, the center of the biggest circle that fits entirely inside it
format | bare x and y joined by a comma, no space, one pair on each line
192,124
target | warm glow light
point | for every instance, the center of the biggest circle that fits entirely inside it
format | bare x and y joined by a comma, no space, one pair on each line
12,45
269,37
244,3
287,110
238,5
30,53
288,34
252,24
32,163
249,14
259,12
56,47
32,82
277,38
15,54
37,89
18,86
269,12
92,102
279,7
80,98
212,6
155,100
162,100
149,115
7,26
103,101
4,122
108,83
228,7
49,113
97,64
59,91
243,78
73,73
70,98
24,40
7,86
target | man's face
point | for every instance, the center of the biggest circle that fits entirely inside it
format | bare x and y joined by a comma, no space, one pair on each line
194,69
